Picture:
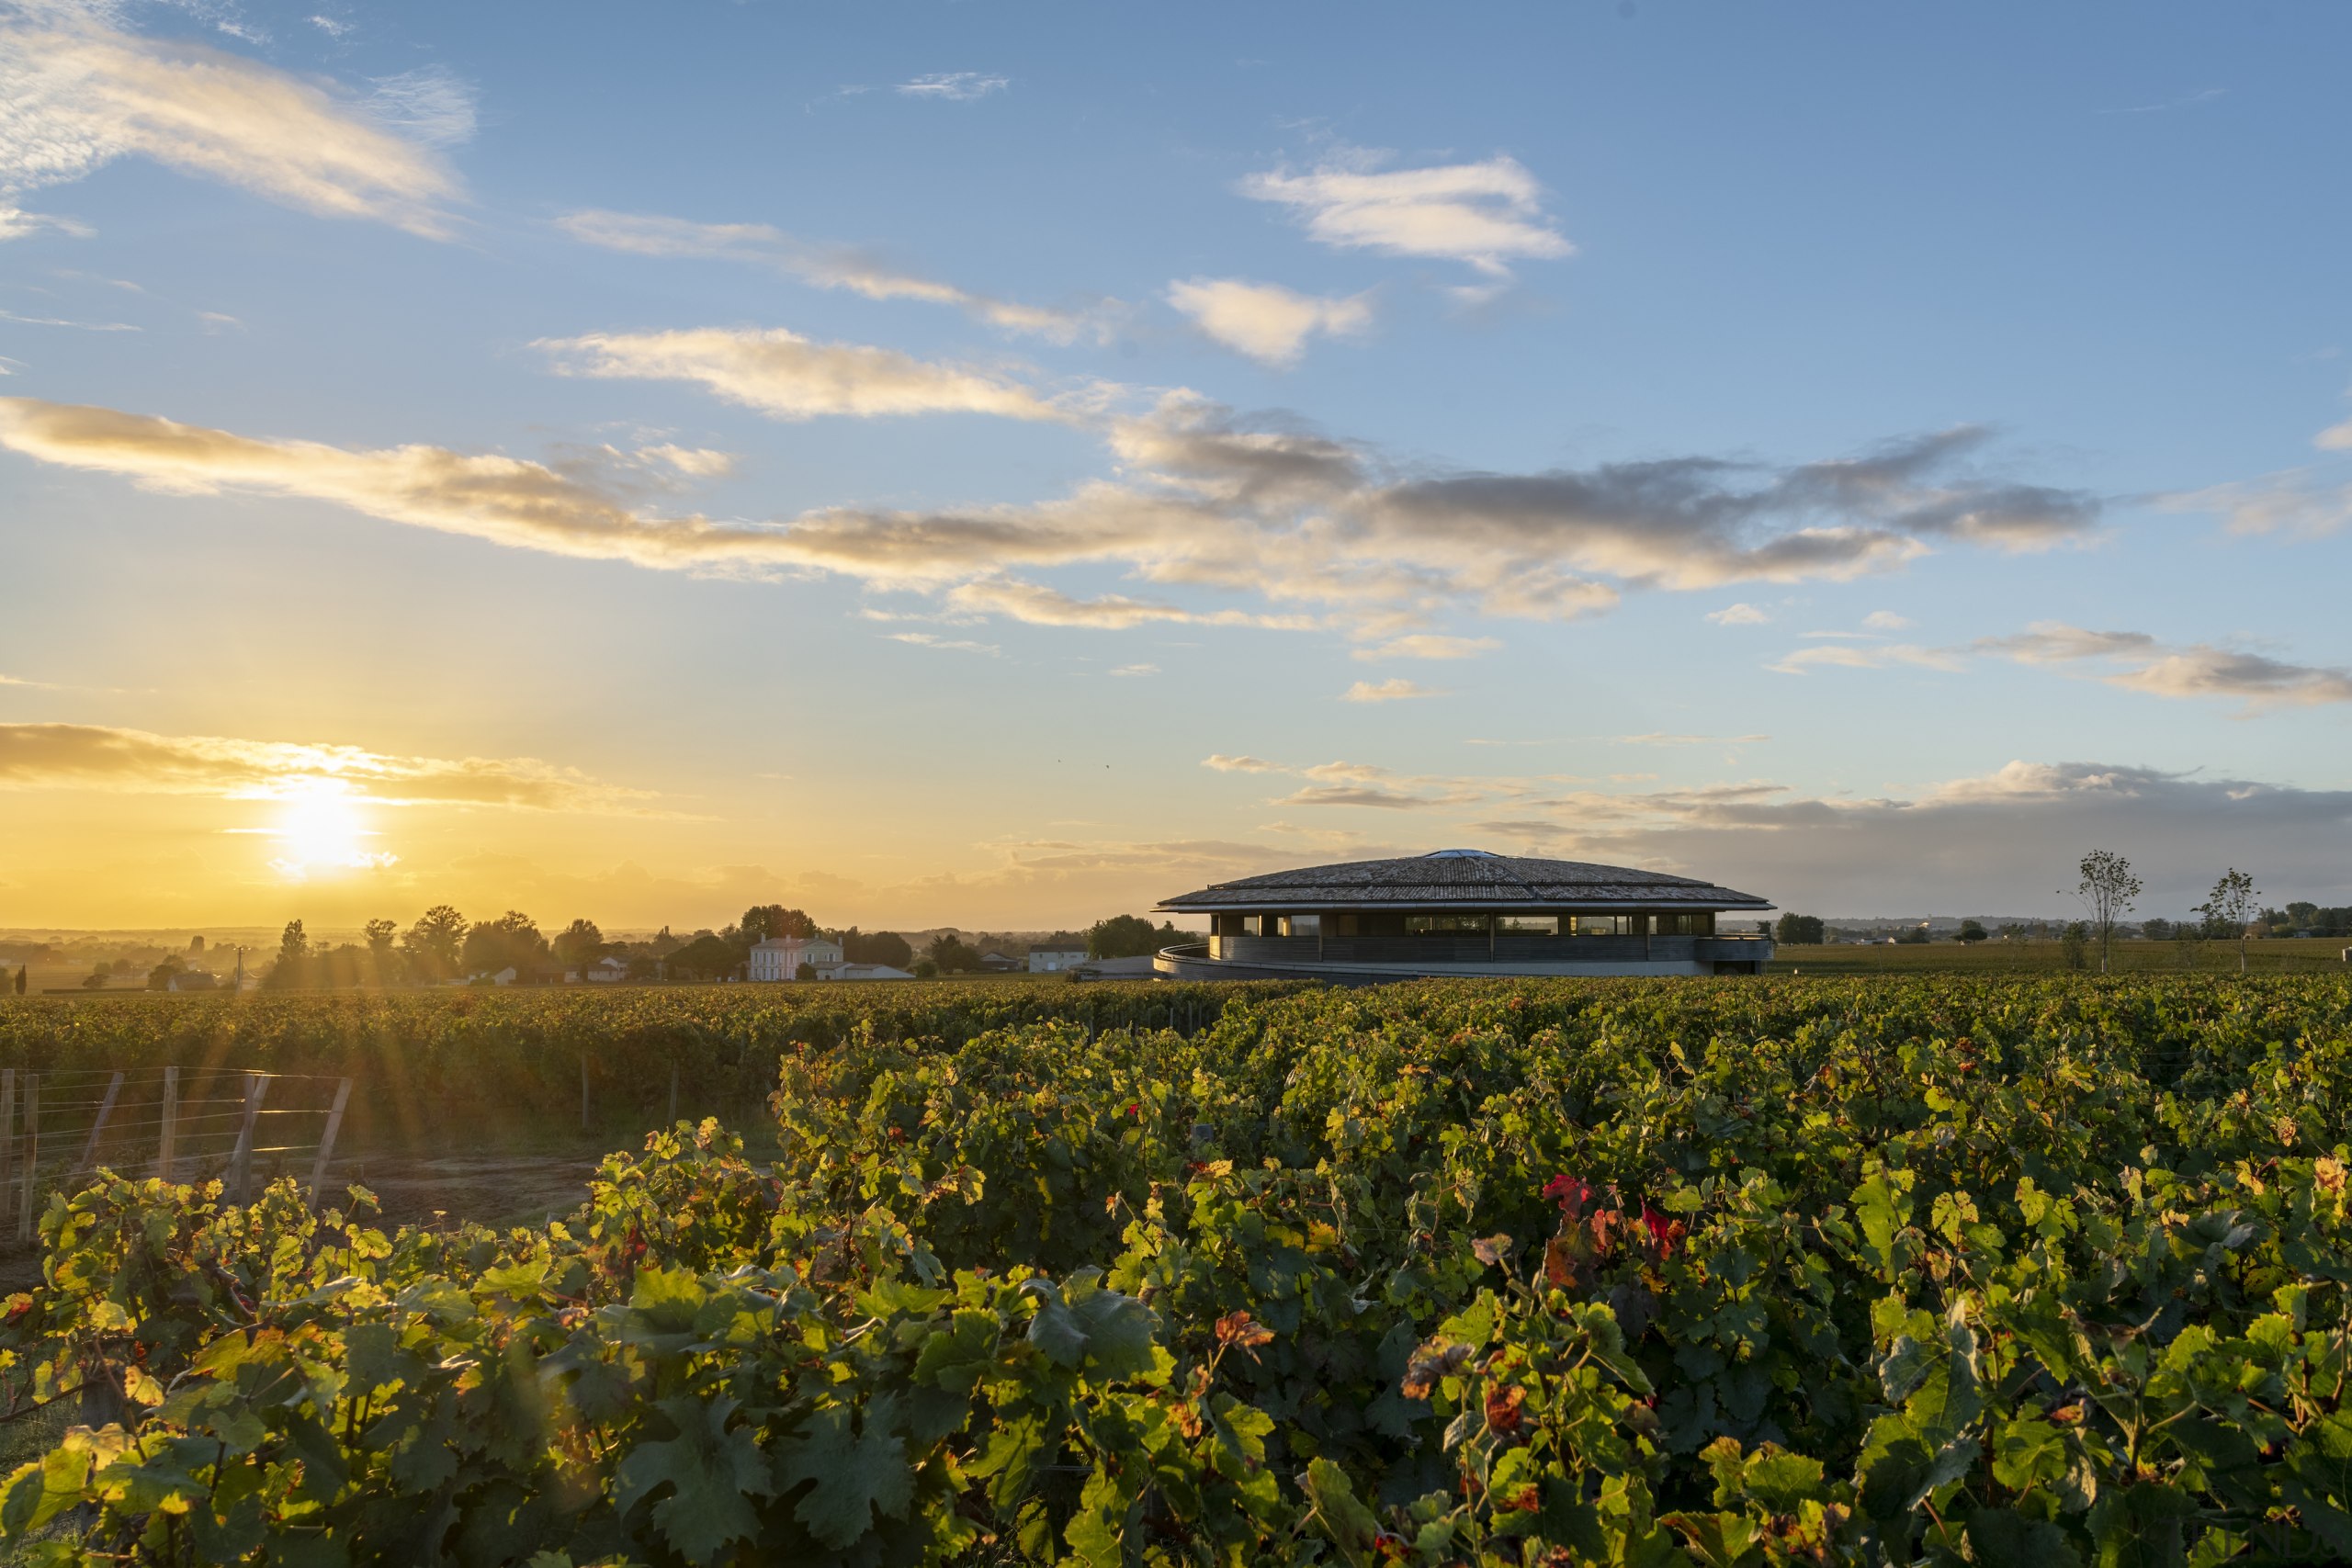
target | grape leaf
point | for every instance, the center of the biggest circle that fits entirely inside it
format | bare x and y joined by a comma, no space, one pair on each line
708,1469
853,1478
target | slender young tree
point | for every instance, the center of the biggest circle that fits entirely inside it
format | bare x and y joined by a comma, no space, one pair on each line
2107,891
2231,907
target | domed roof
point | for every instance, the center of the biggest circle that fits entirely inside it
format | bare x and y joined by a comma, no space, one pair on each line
1465,879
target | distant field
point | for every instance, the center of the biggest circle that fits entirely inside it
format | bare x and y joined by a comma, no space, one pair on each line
2284,956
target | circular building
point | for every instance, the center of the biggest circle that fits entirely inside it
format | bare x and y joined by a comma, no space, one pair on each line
1465,912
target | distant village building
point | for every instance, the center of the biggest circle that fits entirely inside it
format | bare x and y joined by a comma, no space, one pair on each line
1000,962
865,972
780,958
1464,912
606,971
1054,960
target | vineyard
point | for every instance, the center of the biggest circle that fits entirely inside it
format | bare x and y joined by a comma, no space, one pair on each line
1716,1273
438,1066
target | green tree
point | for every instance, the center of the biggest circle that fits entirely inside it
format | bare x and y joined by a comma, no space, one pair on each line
160,977
2230,907
380,938
2074,945
1798,931
876,947
432,944
707,957
950,954
578,945
511,940
2108,890
293,963
21,969
1971,930
1128,936
761,921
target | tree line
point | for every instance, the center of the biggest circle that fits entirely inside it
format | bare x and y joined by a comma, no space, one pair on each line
2108,890
442,946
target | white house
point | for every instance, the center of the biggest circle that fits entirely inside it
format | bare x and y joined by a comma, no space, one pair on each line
1055,960
607,970
780,958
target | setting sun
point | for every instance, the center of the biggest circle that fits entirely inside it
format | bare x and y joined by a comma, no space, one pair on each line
319,829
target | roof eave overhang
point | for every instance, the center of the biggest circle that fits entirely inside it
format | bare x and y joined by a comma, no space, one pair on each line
1195,903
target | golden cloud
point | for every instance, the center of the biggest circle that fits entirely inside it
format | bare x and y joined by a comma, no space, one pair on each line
89,756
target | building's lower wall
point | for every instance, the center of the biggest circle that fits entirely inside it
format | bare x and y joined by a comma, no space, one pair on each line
1502,953
1193,963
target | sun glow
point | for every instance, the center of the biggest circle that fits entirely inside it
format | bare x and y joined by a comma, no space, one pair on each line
321,829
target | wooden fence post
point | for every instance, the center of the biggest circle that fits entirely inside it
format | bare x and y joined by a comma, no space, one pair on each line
326,1139
241,1160
98,1127
32,1156
7,1134
168,1150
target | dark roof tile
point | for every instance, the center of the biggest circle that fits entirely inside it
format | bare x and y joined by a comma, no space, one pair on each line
1460,877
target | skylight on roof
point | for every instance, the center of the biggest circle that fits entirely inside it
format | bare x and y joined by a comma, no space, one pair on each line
1460,855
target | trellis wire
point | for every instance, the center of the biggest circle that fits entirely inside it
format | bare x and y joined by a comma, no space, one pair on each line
57,1128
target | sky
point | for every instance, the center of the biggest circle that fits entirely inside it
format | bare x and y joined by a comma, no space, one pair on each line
1002,465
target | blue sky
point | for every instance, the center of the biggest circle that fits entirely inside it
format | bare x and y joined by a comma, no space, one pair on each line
1002,464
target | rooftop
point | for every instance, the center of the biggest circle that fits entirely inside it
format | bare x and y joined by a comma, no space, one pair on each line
1463,879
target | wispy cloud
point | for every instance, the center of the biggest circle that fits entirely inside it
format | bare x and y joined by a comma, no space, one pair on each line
1265,321
1738,616
1878,655
1136,669
1656,738
1319,531
1485,214
1390,691
429,104
62,321
956,87
700,462
80,92
1341,782
2138,661
1043,606
2056,642
828,266
16,222
2186,100
1429,645
2297,502
947,644
1370,795
87,756
788,376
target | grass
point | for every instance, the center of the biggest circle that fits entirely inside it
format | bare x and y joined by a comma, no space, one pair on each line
2284,955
